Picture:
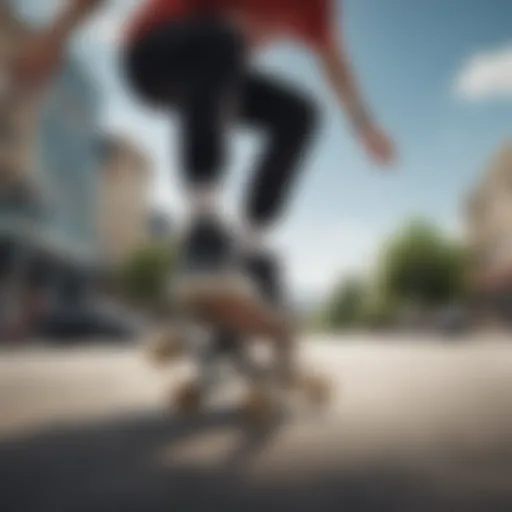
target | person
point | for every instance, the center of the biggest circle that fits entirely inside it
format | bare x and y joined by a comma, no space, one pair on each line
197,58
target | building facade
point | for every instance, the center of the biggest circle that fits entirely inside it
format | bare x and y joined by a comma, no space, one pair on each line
69,164
48,149
49,175
123,199
18,191
17,113
489,232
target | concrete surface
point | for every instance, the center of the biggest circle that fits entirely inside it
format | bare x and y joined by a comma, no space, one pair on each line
414,425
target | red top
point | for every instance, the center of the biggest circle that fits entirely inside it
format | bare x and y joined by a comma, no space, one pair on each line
309,21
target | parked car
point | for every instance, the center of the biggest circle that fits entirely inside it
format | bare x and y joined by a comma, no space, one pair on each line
453,321
90,321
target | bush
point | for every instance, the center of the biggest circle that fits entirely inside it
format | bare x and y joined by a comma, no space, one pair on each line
424,266
420,270
346,307
381,314
144,276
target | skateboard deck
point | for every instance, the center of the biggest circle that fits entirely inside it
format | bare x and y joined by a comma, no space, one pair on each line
267,396
230,304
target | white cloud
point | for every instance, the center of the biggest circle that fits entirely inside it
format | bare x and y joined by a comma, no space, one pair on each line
486,76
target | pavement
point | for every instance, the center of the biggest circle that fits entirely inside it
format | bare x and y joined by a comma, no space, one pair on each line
415,424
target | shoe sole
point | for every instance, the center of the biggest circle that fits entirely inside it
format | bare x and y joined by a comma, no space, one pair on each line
231,303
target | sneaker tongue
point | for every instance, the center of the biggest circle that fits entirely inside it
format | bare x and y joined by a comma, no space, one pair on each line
210,244
202,221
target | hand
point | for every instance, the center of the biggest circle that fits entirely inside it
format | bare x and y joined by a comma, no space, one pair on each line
37,62
378,145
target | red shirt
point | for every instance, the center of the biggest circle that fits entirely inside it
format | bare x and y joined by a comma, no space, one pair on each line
308,21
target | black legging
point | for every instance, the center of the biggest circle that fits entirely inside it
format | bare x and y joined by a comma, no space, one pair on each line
198,66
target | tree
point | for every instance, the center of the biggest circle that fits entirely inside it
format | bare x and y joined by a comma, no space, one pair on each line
346,308
423,266
379,313
144,276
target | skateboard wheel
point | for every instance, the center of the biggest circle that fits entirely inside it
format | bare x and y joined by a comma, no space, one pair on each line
165,348
316,389
187,399
259,407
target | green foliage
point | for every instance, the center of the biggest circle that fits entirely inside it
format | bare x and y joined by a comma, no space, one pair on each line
346,308
144,276
380,313
424,266
421,268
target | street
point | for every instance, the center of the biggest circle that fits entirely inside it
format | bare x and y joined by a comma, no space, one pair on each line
414,425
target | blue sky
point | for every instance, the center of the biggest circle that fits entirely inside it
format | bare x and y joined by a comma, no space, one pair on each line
438,74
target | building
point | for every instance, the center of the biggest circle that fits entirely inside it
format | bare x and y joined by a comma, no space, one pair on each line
123,199
17,128
18,191
489,232
17,113
49,175
68,168
49,159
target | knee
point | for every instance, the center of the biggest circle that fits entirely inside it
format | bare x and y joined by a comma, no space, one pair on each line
301,118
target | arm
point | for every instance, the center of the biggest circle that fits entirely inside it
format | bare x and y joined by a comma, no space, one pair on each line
340,75
40,58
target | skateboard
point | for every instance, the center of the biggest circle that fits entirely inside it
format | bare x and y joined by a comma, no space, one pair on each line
258,311
267,395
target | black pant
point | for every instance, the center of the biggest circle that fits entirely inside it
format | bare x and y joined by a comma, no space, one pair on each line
198,66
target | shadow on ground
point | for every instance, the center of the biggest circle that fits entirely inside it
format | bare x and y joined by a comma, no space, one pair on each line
111,466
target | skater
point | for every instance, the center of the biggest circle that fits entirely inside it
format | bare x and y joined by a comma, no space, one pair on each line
196,58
